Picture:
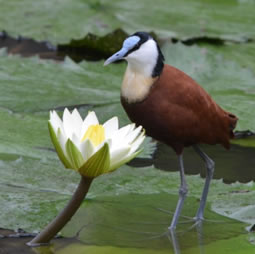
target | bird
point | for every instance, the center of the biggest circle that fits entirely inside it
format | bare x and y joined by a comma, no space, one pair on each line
172,108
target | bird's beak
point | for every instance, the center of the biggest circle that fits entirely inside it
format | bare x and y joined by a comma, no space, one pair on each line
117,56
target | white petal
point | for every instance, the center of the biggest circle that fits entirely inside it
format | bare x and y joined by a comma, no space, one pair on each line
55,121
91,119
76,141
87,149
99,146
111,126
132,127
62,141
109,142
137,143
130,138
122,162
120,134
77,122
68,123
119,154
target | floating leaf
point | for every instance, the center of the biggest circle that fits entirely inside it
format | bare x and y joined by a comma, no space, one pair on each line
230,19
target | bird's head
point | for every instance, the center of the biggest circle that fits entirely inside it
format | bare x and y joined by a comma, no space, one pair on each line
142,54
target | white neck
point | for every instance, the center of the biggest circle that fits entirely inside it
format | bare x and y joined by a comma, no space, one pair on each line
138,78
144,59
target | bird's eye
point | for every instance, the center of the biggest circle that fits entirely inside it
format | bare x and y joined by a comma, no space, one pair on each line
136,46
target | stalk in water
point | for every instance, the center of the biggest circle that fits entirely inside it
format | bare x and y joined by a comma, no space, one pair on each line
61,220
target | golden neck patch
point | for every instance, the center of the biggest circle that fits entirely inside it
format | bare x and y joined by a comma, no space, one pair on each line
135,86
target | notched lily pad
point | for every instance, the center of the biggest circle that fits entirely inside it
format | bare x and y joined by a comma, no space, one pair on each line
58,22
28,47
93,47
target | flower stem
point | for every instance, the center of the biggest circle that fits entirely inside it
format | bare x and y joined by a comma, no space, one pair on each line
64,216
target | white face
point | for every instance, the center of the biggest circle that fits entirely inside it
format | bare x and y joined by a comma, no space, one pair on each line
144,59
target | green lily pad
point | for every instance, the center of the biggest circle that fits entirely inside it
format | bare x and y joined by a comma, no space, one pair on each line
142,221
248,142
239,53
39,177
66,84
93,47
27,159
35,186
92,85
61,21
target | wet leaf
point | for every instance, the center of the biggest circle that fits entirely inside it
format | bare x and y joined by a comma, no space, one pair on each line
142,221
93,47
242,53
29,162
122,208
93,86
72,20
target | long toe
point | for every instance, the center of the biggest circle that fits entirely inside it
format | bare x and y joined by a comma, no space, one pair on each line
202,219
198,218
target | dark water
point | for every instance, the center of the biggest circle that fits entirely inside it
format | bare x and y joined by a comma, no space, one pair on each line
236,164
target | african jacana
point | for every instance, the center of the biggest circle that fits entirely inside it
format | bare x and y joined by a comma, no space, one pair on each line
171,107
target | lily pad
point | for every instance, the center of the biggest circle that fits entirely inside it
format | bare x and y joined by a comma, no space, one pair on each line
142,221
93,47
92,85
35,186
67,20
242,53
67,84
30,87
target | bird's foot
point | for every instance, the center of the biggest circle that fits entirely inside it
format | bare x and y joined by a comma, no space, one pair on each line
199,219
187,218
171,228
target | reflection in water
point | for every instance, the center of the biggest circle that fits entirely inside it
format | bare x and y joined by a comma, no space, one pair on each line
139,229
199,228
236,164
139,222
172,235
174,238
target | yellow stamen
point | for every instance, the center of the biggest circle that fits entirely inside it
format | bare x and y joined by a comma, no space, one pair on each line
95,133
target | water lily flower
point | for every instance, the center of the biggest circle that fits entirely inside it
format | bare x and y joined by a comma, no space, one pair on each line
90,148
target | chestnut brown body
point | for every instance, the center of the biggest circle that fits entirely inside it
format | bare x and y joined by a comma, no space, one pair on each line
178,112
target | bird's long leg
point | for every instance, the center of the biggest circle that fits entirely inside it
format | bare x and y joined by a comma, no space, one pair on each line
182,195
209,175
